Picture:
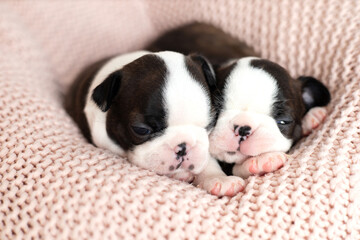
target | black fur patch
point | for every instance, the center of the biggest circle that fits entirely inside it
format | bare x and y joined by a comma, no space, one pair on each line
226,167
139,100
104,94
317,93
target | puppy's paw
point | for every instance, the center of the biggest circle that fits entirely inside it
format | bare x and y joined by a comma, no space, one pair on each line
312,119
223,185
264,163
183,176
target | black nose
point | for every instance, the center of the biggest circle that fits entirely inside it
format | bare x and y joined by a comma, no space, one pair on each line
245,131
182,151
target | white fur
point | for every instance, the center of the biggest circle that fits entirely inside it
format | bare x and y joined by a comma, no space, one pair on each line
184,97
249,89
97,118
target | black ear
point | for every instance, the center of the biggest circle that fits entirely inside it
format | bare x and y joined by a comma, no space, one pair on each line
314,93
104,94
207,70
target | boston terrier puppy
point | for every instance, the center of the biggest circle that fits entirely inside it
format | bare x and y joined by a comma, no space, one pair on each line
153,108
261,110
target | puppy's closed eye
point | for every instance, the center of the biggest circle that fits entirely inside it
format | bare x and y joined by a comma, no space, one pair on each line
141,129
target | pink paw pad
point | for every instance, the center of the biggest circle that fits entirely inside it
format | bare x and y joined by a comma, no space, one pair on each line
234,189
313,119
253,168
221,185
320,114
216,189
314,123
267,166
274,163
231,191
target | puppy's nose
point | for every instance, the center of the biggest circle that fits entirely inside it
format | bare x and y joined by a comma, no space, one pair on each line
242,131
245,131
181,149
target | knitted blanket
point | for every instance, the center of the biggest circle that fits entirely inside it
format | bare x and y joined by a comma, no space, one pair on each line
55,185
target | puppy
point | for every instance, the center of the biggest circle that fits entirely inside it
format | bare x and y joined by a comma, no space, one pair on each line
154,108
260,106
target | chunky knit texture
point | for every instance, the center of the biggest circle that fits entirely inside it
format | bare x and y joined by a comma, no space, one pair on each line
55,185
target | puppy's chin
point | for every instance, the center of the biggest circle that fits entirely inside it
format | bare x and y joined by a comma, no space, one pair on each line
226,155
159,154
265,137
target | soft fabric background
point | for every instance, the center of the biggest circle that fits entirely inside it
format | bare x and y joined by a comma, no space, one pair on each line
54,185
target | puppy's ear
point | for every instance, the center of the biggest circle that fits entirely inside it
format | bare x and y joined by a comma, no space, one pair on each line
314,93
207,70
104,94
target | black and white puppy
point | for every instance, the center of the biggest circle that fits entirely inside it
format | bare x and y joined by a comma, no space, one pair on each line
154,108
262,110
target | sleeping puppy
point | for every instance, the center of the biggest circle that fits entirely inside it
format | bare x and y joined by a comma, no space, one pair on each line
154,108
262,111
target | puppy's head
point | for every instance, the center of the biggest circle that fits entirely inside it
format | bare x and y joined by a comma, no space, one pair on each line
262,108
158,110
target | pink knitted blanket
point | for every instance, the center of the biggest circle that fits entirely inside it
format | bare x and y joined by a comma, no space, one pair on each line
55,185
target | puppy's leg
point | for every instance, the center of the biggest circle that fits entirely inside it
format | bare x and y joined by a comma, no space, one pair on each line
312,119
182,176
215,181
264,163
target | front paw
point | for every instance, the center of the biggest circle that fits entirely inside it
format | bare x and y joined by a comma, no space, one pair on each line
223,185
264,163
183,176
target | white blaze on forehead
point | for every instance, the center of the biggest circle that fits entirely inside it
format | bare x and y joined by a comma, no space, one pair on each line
250,89
185,99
